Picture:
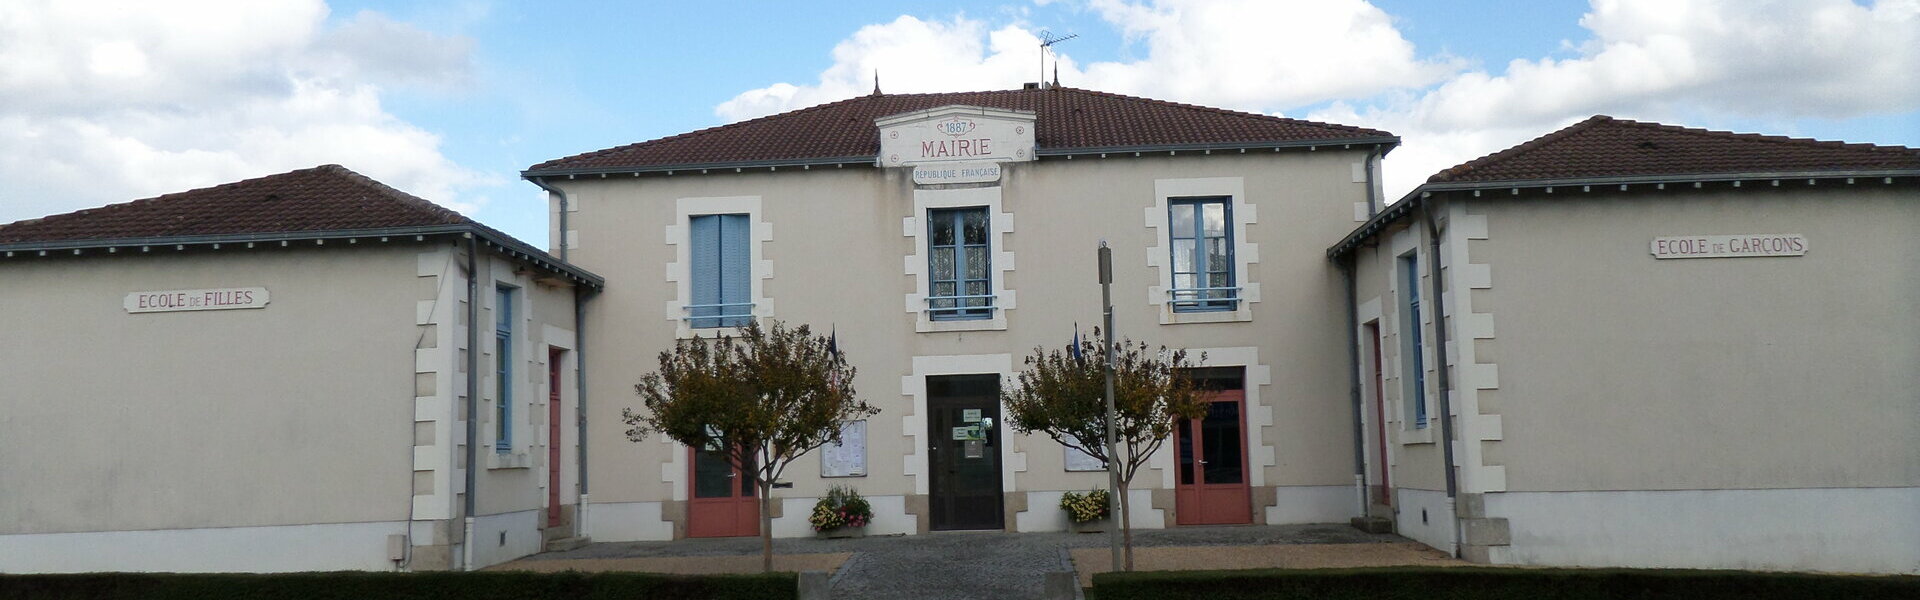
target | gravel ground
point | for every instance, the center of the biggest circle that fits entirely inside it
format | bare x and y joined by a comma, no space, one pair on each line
959,565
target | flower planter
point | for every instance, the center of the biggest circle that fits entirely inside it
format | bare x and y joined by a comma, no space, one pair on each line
841,532
1094,526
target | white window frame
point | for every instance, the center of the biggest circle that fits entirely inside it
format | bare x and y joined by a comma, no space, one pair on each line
999,225
679,273
1245,253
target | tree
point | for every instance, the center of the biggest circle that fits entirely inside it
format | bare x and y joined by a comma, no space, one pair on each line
764,399
1063,394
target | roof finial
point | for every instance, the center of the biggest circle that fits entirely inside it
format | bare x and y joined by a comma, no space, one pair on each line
876,82
1056,73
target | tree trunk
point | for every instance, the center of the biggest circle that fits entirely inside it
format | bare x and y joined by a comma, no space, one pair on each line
766,527
1126,525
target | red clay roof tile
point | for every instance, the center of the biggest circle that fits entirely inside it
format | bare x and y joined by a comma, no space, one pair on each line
324,198
1066,118
1603,146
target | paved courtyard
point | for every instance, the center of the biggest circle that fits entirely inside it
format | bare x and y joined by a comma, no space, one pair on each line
965,565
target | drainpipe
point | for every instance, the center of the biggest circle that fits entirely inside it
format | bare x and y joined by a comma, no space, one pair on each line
473,394
1349,271
1347,275
580,391
563,219
579,358
1446,383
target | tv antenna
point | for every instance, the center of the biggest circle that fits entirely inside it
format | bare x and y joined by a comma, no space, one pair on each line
1047,40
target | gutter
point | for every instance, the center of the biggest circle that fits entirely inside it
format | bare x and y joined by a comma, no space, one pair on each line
491,237
1388,142
1416,198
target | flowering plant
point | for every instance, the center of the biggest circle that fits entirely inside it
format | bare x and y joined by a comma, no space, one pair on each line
1082,508
843,507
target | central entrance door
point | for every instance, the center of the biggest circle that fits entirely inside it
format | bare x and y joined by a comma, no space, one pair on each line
1212,487
723,503
963,452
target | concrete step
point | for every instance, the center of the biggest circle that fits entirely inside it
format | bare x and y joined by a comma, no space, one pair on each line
1372,524
565,544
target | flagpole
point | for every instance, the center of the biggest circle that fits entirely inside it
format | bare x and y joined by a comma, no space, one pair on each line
1114,506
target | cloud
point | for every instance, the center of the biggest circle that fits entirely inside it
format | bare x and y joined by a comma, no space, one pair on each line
108,102
1260,55
1666,60
1671,60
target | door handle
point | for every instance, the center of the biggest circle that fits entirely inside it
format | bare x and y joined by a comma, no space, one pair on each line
1201,462
731,475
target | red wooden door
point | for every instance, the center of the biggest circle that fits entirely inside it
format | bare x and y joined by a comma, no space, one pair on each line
1385,489
723,502
553,436
1211,487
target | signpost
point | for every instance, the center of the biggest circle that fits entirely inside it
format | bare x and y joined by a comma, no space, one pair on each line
1114,506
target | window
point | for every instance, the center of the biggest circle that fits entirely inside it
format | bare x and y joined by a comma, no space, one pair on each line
722,264
959,262
1415,381
1200,233
503,369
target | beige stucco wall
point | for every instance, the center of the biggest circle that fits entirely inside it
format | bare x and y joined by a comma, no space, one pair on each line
1414,457
299,412
1618,371
517,480
837,252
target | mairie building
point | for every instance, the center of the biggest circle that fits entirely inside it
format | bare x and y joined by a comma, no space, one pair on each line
1620,344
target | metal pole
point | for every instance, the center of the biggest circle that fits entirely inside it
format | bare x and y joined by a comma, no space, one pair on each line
1115,506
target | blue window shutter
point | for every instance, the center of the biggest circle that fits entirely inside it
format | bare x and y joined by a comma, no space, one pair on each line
736,267
703,232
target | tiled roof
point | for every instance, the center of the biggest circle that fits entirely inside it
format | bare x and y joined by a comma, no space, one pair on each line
1066,118
324,198
1603,149
317,203
1603,146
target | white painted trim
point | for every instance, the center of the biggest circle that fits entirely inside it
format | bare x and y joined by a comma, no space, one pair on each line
914,425
1404,242
1464,326
1371,392
1245,253
1311,504
629,522
268,549
1001,224
679,271
500,272
1854,530
1437,530
438,358
522,529
1259,414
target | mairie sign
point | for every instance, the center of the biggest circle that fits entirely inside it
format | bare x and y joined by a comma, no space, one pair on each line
956,134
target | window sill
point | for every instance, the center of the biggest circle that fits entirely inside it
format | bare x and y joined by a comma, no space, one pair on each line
1410,437
517,460
1169,316
998,322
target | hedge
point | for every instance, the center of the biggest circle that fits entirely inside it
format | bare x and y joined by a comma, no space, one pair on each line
398,586
1441,583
